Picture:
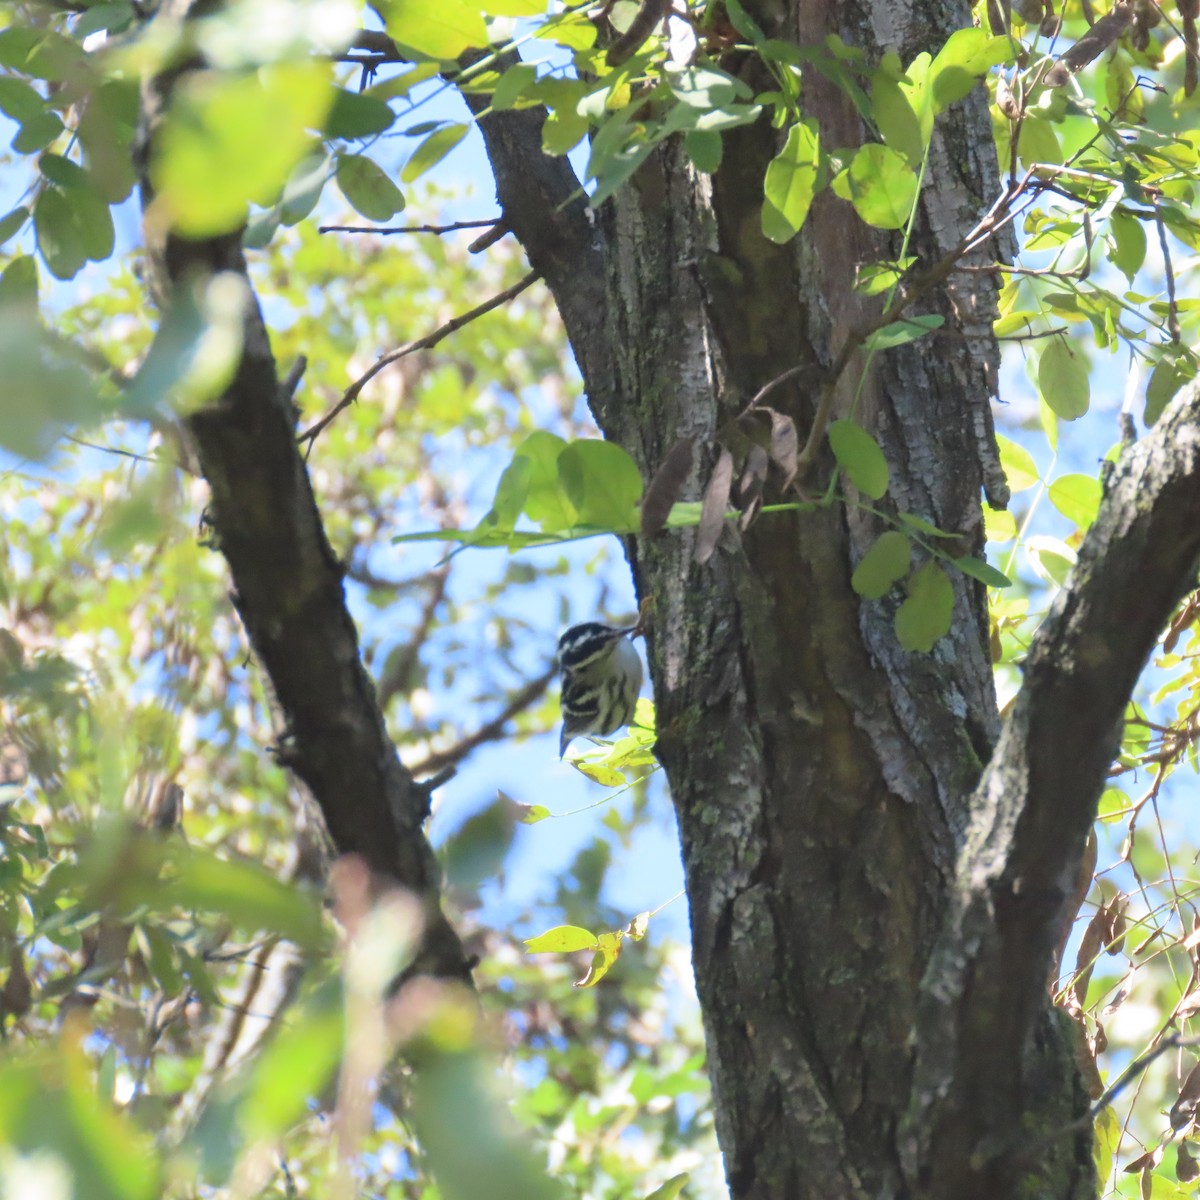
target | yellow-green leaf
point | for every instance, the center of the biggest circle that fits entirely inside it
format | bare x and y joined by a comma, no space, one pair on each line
442,30
924,617
1063,378
881,186
886,562
1077,497
1019,468
859,455
562,939
791,182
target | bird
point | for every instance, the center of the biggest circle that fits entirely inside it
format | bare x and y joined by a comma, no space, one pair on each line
602,676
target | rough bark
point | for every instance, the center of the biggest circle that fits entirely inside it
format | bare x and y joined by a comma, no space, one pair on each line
872,914
287,588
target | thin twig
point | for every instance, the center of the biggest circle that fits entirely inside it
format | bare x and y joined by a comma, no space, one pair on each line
425,343
1172,307
70,437
387,229
492,730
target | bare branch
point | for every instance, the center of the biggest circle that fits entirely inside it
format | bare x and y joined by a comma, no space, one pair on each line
494,729
288,591
389,229
424,343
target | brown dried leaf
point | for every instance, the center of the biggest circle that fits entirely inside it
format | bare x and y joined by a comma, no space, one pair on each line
1006,101
1183,1111
1090,947
785,445
751,484
712,511
1118,906
1091,45
1145,1162
1187,1007
1119,998
17,992
1186,1167
664,488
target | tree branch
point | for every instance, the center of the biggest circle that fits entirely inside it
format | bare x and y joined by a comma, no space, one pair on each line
422,343
287,588
491,730
985,987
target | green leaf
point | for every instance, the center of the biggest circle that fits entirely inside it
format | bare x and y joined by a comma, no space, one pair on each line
1063,378
248,894
12,222
881,186
1128,240
295,1068
608,950
1052,558
791,182
443,30
1170,373
19,287
1019,468
999,524
965,58
886,562
563,131
38,132
511,84
1038,142
859,455
303,188
356,115
73,221
706,87
924,617
545,500
514,8
367,188
704,147
562,939
432,149
907,329
531,814
44,389
60,240
570,29
894,117
1077,497
508,502
979,569
672,1189
920,525
603,483
44,54
20,101
230,140
874,278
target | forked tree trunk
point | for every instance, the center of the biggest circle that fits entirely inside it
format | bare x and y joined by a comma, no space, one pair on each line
877,869
872,916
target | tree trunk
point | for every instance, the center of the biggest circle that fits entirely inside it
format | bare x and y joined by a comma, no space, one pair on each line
873,915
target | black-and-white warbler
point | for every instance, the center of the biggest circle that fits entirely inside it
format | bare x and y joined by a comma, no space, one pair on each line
602,675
